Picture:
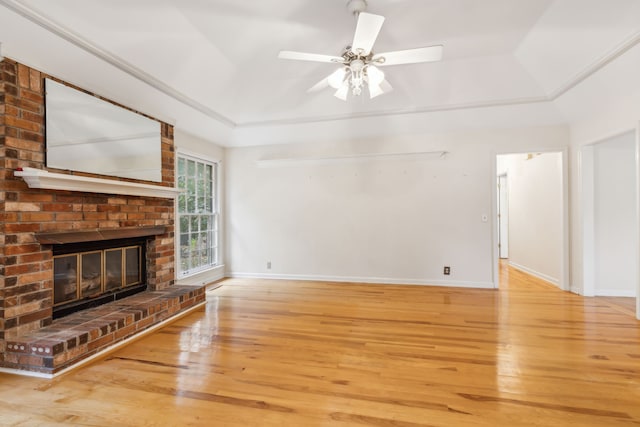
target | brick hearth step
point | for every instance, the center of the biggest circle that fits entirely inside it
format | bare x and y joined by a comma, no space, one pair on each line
70,339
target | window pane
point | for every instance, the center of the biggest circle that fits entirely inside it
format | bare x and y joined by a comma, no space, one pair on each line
203,241
193,259
206,256
181,169
200,171
209,186
204,222
195,224
182,203
184,224
191,195
201,198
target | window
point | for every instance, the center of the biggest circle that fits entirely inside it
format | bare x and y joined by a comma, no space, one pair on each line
197,215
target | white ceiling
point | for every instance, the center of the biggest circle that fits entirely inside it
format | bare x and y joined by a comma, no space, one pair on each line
211,67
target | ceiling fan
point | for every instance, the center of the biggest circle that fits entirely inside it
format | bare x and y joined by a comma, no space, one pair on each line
359,65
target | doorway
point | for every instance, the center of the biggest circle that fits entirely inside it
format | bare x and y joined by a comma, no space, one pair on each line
531,220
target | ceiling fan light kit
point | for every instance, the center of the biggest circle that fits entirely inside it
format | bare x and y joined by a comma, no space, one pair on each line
359,65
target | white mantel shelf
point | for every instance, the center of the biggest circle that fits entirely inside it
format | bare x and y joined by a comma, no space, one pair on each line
37,178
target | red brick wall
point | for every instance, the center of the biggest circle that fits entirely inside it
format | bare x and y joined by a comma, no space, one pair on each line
26,267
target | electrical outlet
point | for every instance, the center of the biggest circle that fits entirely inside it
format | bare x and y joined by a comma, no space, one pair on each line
447,271
268,265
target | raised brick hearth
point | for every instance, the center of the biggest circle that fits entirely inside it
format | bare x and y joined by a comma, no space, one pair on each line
75,337
26,261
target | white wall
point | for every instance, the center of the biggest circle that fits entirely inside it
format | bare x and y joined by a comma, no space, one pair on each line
604,105
535,212
615,227
192,145
394,219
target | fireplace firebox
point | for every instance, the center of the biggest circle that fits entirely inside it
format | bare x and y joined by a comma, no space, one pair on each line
89,274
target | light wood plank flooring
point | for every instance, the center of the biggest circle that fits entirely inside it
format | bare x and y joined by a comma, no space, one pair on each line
282,353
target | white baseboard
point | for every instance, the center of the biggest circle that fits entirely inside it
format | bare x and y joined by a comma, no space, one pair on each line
376,280
535,273
615,292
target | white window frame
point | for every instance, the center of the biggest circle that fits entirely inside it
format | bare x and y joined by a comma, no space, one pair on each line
215,241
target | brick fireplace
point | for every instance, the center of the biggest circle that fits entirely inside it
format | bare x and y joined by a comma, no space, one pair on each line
33,221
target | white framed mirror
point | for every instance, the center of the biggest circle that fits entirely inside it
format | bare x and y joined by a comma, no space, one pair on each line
87,134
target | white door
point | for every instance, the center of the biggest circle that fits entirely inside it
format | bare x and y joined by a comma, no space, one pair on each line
503,217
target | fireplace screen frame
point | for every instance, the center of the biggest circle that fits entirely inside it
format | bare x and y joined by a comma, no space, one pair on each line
75,253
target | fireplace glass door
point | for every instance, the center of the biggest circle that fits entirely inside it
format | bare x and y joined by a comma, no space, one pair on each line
91,282
132,266
65,278
113,269
97,272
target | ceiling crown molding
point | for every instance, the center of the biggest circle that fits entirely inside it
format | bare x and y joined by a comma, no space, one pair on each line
596,66
398,112
39,19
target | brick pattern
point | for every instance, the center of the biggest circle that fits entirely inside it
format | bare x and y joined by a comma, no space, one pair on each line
82,334
3,151
26,267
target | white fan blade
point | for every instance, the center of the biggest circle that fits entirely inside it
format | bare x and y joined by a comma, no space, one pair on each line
410,56
377,90
367,31
342,92
301,56
324,83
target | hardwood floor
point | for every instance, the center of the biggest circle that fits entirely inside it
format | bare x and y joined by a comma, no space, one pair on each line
281,353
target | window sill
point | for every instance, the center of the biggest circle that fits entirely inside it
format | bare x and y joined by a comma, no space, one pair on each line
203,277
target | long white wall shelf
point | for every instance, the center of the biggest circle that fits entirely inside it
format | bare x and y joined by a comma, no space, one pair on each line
350,158
37,178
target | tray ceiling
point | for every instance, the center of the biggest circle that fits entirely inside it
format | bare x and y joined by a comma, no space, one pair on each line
217,59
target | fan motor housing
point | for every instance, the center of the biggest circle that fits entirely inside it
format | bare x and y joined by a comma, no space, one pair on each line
357,6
